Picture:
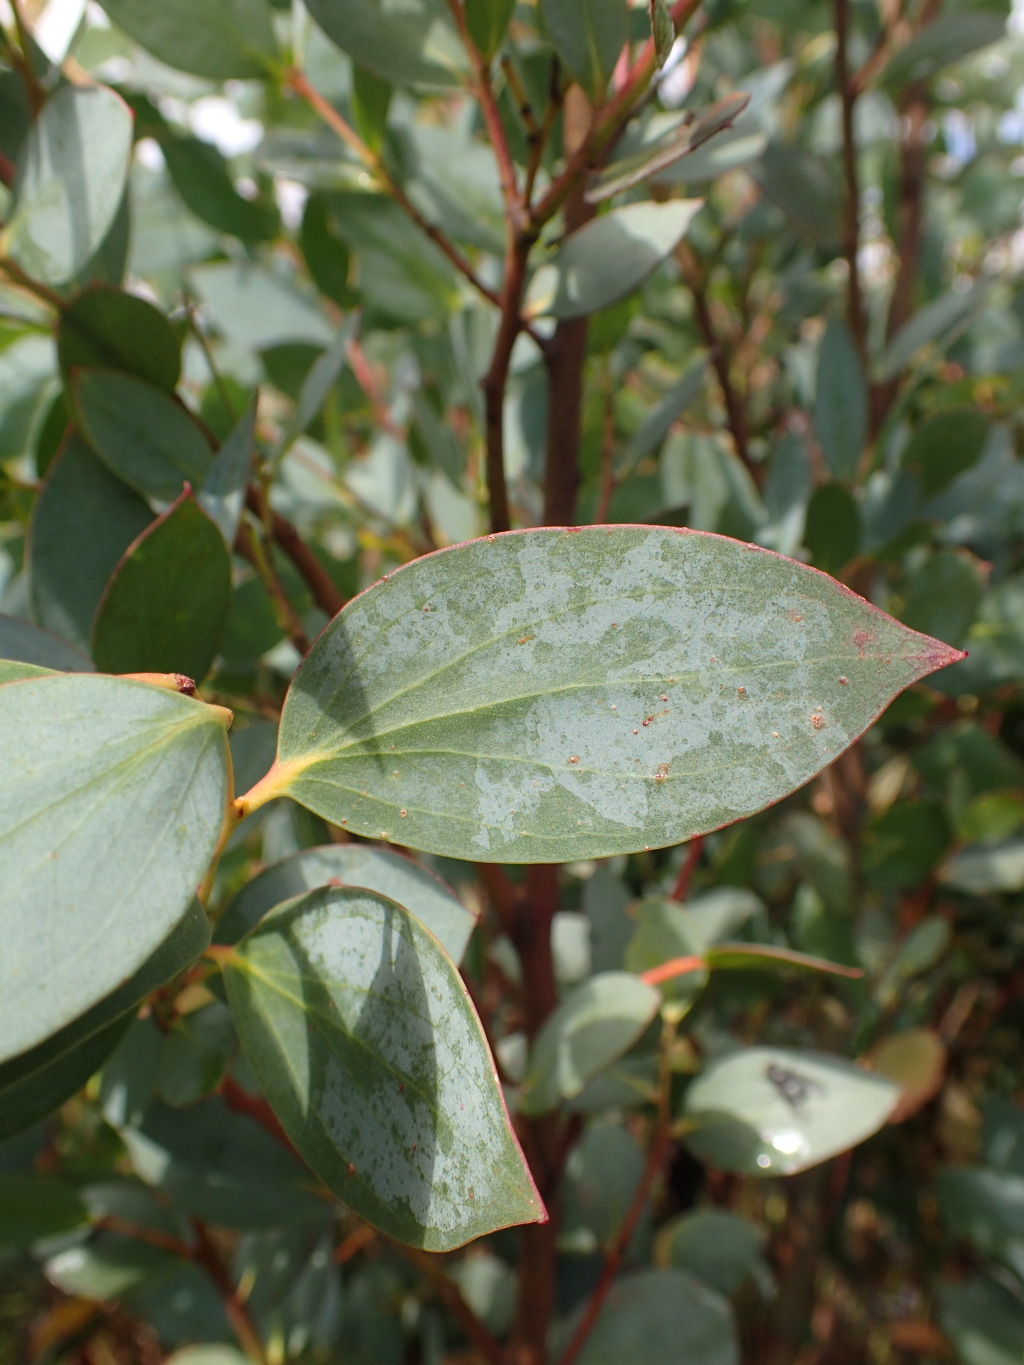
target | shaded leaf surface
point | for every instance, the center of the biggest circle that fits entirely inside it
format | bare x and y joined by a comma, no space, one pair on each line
71,179
106,328
165,606
84,520
608,258
28,644
231,39
364,1041
589,35
414,44
376,869
109,786
593,1026
549,695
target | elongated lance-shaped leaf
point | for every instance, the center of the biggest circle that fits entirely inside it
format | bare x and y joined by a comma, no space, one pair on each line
547,695
112,798
364,1040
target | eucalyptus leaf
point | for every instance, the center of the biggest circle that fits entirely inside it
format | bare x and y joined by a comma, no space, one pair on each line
71,181
222,493
841,401
230,39
109,786
771,1111
592,1027
22,641
414,43
588,35
608,258
433,903
364,1040
550,695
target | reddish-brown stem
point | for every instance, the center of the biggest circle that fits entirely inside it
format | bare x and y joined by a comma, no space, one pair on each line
22,61
254,1107
495,381
432,1269
735,410
138,1232
317,579
249,546
668,971
208,1257
693,851
7,171
484,92
298,82
851,218
613,1259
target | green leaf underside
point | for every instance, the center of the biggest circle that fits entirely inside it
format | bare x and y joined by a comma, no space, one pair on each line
21,641
166,604
140,433
111,800
361,1035
770,1111
233,38
550,695
608,258
38,1093
427,897
70,183
590,1029
179,950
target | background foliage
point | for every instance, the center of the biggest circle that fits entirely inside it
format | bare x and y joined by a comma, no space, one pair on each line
271,252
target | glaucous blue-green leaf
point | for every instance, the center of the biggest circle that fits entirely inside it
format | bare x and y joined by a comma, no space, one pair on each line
202,177
426,896
321,379
592,1027
140,433
83,521
935,324
608,258
13,671
233,39
662,1317
26,643
179,950
805,188
70,182
222,494
165,606
588,35
105,328
772,1111
112,799
361,1034
32,1207
946,446
949,38
38,1092
555,694
657,157
760,957
414,43
714,1245
487,21
841,401
983,1317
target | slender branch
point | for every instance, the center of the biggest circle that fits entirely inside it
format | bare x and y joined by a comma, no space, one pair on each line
735,409
494,382
660,1141
250,547
432,1269
23,61
223,393
208,1257
297,81
887,40
851,218
317,579
607,489
8,170
42,292
138,1232
694,849
484,92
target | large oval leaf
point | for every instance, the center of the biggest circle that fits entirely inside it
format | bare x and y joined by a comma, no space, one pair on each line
70,182
377,869
548,695
111,802
414,43
363,1039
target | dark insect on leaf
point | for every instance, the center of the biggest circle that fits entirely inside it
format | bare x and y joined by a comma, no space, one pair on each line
794,1088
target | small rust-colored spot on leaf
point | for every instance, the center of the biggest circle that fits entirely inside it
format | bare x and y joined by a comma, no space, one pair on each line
573,758
775,734
741,691
350,1168
403,813
714,658
818,722
648,720
394,772
614,707
661,773
523,639
843,680
635,730
795,616
401,1087
186,686
664,696
615,625
472,1192
862,638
